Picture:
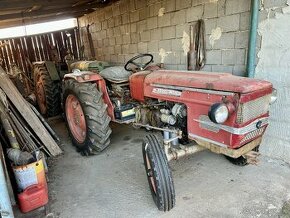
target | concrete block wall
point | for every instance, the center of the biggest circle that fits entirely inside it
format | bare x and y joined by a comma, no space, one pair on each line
161,27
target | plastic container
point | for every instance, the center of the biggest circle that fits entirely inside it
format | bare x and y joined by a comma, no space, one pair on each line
30,174
32,197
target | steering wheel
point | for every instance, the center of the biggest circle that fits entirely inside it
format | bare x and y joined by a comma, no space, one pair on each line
139,66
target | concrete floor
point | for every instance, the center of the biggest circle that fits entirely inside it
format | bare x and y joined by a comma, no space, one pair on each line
113,184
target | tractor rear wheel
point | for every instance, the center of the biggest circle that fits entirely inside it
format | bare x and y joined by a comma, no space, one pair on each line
86,116
47,92
158,174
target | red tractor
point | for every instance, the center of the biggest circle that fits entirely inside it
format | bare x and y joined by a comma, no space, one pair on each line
223,113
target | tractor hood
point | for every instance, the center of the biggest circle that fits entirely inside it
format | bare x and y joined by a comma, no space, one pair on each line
205,80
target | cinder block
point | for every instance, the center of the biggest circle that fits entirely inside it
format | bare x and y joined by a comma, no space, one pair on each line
156,34
118,20
135,37
240,70
154,9
152,23
112,41
125,49
142,47
125,29
121,59
132,5
213,57
108,12
275,3
141,26
178,17
229,56
105,25
118,49
133,27
111,50
176,45
140,4
194,13
240,56
222,68
221,8
242,39
229,23
111,22
226,41
119,40
245,21
182,4
116,10
125,18
165,44
180,29
144,13
169,5
113,58
234,7
123,7
117,31
164,20
210,24
110,32
133,48
168,32
126,39
134,16
210,10
145,36
153,46
207,68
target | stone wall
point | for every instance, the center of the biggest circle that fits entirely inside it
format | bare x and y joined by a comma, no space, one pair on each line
161,27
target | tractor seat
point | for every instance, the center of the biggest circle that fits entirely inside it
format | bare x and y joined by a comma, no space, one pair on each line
116,74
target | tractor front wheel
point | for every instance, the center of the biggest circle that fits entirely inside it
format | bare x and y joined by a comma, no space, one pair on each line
86,116
158,174
240,161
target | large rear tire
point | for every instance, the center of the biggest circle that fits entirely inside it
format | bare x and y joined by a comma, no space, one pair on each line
86,116
47,92
158,173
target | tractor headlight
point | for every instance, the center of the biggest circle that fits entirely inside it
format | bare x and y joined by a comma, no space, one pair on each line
218,113
273,96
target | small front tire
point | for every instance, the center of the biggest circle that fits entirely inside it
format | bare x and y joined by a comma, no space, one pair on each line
158,173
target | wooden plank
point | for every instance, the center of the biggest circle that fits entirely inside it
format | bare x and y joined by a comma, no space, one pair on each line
28,115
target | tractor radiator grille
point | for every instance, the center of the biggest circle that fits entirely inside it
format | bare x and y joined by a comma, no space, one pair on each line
253,135
252,109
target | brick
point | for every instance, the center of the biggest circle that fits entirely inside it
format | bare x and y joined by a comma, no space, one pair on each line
229,23
165,44
134,16
126,39
235,7
153,46
214,57
245,21
152,23
226,41
125,18
194,13
164,20
242,39
274,3
210,10
222,68
156,34
141,26
168,32
133,48
125,49
145,36
182,4
142,47
178,17
116,10
176,45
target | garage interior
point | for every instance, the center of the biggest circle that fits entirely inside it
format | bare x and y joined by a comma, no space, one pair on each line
246,39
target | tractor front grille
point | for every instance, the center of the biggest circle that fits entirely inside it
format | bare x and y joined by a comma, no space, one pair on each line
253,135
252,109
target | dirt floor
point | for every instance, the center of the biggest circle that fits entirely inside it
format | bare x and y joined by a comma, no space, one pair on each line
113,184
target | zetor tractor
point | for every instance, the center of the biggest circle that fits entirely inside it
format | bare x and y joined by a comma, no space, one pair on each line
223,113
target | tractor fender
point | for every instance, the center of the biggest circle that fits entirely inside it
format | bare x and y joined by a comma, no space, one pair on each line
51,69
88,76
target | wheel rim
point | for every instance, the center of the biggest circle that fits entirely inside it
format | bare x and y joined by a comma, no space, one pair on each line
40,95
149,173
75,118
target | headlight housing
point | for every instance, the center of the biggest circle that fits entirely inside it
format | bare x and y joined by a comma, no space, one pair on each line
218,113
273,96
